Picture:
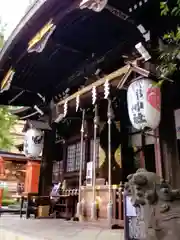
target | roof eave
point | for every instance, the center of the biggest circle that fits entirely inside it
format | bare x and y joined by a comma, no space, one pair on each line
18,31
34,13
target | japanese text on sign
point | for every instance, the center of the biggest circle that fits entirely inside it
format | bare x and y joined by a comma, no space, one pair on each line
138,105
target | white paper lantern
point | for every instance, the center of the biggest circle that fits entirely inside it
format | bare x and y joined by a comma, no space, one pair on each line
33,143
144,103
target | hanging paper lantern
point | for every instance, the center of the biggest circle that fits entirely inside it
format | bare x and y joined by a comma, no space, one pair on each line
33,143
144,103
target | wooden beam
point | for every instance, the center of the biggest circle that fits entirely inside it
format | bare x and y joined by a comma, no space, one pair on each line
98,83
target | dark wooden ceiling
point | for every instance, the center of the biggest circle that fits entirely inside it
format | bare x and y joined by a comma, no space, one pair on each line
82,42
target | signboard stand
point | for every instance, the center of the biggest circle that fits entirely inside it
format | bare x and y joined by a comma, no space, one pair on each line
134,224
89,173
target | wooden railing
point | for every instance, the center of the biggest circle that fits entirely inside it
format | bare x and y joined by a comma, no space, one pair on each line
102,194
67,203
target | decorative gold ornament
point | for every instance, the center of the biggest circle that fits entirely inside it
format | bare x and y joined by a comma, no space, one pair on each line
117,156
38,37
6,82
102,156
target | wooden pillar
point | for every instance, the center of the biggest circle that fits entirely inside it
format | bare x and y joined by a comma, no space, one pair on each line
168,141
45,180
142,152
87,156
32,177
158,157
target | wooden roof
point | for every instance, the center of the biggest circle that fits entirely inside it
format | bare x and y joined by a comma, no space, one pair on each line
82,42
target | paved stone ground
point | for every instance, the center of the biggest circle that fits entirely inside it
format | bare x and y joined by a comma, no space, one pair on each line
14,228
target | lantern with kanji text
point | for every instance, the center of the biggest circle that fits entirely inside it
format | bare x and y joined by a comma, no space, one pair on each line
33,143
144,103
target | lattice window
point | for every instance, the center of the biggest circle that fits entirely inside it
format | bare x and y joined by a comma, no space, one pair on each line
58,169
55,174
78,156
61,167
73,157
97,151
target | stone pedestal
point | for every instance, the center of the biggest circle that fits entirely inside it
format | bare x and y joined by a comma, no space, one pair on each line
159,202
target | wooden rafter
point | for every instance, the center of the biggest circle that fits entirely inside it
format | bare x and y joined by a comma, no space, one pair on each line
118,78
119,73
123,72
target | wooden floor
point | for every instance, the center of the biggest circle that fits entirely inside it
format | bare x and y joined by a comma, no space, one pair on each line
14,228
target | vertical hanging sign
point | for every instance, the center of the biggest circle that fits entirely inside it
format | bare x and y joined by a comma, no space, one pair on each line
89,173
144,101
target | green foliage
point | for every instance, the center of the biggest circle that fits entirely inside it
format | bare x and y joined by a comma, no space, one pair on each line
5,193
170,54
1,40
169,58
166,10
2,29
7,202
7,121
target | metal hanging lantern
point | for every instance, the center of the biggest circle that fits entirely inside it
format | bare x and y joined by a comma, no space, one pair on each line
33,143
144,103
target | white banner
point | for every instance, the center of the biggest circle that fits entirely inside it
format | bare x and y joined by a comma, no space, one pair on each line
89,170
89,173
